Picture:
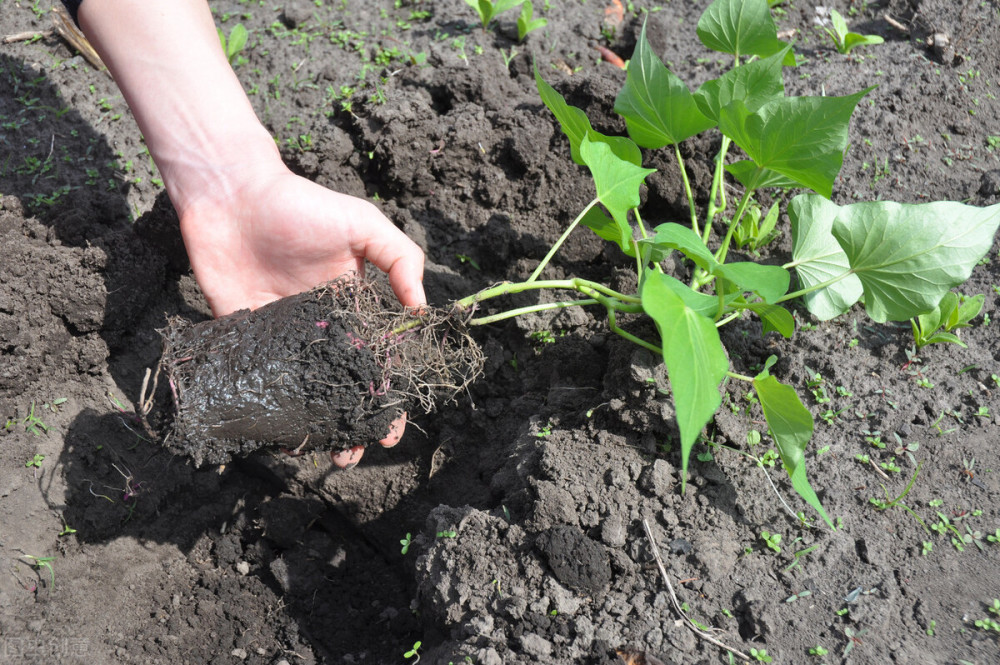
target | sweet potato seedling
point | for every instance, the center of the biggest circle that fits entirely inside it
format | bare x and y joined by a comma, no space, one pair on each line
868,252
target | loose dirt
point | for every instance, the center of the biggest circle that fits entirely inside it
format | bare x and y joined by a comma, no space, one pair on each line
522,504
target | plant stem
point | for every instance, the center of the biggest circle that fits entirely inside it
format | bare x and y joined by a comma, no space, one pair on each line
718,189
687,189
722,322
575,284
741,377
815,287
720,255
512,313
548,257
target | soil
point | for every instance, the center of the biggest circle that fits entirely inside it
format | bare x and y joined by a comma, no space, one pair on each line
522,506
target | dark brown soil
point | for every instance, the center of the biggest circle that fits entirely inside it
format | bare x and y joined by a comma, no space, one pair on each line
523,503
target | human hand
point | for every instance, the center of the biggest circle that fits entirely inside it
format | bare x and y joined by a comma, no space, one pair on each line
278,234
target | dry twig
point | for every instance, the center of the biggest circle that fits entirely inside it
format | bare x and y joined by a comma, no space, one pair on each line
677,606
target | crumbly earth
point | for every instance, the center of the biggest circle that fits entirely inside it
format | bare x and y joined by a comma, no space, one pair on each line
523,505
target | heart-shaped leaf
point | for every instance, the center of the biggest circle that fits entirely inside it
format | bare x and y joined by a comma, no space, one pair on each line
617,182
803,138
741,27
818,258
755,84
908,256
658,108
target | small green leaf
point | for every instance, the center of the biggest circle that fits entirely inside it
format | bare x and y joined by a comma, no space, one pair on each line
658,108
675,236
695,358
774,318
617,182
818,258
576,126
526,23
769,282
803,138
755,84
853,40
908,256
237,40
968,309
701,303
741,27
791,426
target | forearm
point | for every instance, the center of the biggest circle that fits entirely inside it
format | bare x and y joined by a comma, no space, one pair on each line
194,115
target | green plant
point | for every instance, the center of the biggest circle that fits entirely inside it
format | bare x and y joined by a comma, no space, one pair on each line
488,9
32,423
772,540
760,655
818,650
414,652
235,43
406,542
843,39
870,251
953,312
526,22
39,562
448,533
35,461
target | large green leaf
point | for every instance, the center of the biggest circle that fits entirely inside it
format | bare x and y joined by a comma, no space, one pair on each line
576,125
755,84
699,302
695,358
792,426
740,27
818,258
597,221
752,176
658,108
803,138
908,256
617,182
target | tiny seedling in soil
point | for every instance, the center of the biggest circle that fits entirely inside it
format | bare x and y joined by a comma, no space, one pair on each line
953,312
449,533
33,424
819,651
406,542
760,655
39,562
488,10
414,653
234,44
772,540
845,40
35,461
526,22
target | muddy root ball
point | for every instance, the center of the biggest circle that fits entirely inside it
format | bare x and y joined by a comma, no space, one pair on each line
328,369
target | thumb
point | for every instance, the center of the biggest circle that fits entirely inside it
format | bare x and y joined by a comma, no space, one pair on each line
392,252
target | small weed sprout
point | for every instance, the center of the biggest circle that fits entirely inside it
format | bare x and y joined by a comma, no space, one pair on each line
406,542
955,311
35,461
819,651
234,44
488,10
772,540
844,39
760,655
33,424
414,653
37,563
526,22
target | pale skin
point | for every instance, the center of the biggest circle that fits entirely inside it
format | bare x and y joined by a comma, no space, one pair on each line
254,231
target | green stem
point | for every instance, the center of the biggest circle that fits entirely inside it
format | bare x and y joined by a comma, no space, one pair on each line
718,189
687,189
512,313
815,287
741,377
722,322
720,255
548,257
575,284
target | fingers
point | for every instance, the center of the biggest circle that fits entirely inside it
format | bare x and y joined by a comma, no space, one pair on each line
396,255
348,459
395,432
